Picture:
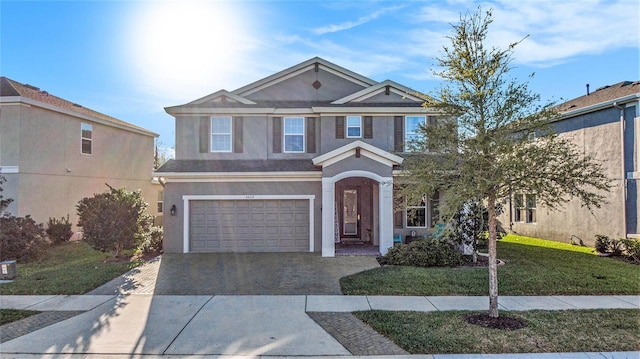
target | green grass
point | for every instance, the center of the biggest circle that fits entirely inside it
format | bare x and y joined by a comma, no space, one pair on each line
547,331
69,268
532,267
11,315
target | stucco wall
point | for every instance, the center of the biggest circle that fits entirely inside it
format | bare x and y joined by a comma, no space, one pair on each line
597,134
300,88
53,173
173,192
382,134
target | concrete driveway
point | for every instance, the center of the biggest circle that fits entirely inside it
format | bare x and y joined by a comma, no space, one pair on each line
239,274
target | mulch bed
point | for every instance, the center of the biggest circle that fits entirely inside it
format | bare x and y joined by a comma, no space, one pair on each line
501,322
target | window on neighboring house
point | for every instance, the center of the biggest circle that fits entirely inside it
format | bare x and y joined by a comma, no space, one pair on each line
86,138
354,126
221,134
524,208
416,212
412,124
160,196
531,208
518,207
294,134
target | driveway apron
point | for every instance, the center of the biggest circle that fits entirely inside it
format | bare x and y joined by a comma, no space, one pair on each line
239,274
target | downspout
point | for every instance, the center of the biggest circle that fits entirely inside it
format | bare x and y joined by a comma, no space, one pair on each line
624,173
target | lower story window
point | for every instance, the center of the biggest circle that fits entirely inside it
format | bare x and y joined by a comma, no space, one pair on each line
417,212
160,200
524,208
531,208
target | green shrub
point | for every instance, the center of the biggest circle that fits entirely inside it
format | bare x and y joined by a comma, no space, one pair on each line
632,248
424,253
153,242
606,245
59,231
602,243
114,220
21,238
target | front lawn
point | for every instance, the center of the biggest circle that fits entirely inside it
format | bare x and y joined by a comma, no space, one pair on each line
11,315
532,267
547,331
69,268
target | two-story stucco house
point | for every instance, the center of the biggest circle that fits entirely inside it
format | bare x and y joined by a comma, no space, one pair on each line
605,124
302,160
54,152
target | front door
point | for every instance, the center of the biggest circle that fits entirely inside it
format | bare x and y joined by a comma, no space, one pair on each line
351,214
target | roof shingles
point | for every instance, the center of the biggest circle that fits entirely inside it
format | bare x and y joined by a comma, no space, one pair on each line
600,95
11,88
284,165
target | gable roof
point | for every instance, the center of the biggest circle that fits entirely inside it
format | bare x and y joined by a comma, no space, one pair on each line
350,149
243,101
385,86
10,88
602,97
302,67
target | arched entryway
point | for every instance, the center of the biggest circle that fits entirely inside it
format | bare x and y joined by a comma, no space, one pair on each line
356,201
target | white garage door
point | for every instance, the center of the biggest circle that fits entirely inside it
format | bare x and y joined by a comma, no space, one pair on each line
249,225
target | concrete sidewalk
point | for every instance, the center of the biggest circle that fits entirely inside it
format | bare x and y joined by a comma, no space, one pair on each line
177,326
342,303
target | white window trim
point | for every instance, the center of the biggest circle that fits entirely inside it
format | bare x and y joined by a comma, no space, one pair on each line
187,198
406,141
303,134
527,208
82,138
230,134
359,126
426,214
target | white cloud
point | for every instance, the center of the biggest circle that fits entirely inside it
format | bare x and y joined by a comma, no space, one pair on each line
557,31
351,24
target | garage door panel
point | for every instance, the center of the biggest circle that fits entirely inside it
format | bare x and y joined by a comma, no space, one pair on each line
249,225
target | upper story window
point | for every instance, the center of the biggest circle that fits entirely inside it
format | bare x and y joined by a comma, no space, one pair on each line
86,138
412,124
354,126
294,134
221,134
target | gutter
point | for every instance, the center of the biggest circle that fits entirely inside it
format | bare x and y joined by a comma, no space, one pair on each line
598,106
617,105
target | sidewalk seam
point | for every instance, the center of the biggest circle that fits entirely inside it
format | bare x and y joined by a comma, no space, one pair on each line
187,324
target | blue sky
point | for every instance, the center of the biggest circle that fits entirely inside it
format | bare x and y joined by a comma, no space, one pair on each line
130,59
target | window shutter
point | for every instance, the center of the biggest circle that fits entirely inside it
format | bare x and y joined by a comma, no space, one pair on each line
398,133
339,126
204,134
311,134
432,121
238,144
368,127
397,219
277,134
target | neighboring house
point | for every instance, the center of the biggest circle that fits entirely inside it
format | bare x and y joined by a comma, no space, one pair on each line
54,152
302,160
605,124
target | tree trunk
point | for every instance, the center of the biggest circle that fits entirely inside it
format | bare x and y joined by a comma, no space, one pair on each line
493,265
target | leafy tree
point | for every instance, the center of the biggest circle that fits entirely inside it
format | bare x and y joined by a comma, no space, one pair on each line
4,203
501,140
114,220
469,225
